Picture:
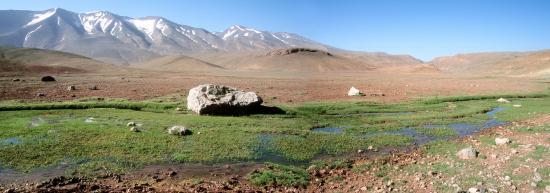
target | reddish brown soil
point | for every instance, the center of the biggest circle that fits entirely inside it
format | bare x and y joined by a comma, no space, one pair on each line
273,87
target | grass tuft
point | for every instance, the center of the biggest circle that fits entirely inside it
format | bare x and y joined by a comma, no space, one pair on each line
280,175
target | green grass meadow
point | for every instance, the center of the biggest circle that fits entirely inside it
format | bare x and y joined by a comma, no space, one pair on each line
42,135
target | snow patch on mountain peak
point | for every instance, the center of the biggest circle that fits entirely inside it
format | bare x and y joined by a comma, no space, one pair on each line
237,27
235,30
41,16
146,25
228,34
162,25
280,39
254,30
30,33
91,20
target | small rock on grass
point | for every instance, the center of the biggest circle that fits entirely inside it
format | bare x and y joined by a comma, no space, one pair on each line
537,177
131,124
502,141
502,100
179,130
473,190
134,129
89,120
467,153
372,148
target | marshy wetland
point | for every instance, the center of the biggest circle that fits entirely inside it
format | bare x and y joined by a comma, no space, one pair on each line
90,137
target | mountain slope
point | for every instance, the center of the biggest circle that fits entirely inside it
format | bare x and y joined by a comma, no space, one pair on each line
120,39
305,60
535,63
247,39
178,63
31,60
380,59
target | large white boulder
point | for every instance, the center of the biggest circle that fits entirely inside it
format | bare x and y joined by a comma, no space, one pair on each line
219,100
354,92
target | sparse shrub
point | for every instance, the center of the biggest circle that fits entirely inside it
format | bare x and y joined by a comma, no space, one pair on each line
280,175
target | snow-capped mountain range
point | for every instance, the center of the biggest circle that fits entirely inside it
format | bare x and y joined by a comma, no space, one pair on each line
119,39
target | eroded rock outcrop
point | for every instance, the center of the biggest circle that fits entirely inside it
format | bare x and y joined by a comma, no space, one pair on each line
287,51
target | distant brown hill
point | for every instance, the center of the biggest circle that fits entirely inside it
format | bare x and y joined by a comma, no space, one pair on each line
297,60
178,63
31,60
306,60
535,63
381,59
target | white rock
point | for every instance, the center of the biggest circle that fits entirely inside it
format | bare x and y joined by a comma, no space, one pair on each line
218,99
473,190
537,177
354,92
178,130
89,120
502,141
516,105
134,129
502,100
467,153
131,124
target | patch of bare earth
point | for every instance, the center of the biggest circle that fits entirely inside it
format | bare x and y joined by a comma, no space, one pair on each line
515,167
273,87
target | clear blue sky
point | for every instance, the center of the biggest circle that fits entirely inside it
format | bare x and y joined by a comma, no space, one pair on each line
422,28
